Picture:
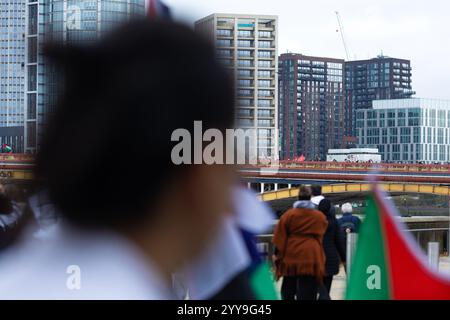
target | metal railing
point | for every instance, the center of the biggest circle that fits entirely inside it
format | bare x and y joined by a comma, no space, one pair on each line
364,166
266,248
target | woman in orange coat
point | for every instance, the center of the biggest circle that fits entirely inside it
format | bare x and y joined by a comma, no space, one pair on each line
299,256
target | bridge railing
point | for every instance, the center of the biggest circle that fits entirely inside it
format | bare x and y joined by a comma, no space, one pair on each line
16,157
363,166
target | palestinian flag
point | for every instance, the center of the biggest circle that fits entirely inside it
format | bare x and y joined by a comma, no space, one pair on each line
6,148
388,263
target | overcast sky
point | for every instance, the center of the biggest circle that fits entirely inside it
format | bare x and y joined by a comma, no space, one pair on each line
415,30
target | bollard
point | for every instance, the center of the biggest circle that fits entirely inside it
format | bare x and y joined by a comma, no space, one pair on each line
263,249
352,238
433,255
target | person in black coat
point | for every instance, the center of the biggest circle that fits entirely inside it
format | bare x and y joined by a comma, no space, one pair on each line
333,245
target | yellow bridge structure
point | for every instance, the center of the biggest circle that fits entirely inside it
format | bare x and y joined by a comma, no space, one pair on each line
330,189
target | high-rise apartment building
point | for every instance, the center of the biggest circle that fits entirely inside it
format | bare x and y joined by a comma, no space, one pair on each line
407,130
375,79
247,44
311,105
12,71
70,21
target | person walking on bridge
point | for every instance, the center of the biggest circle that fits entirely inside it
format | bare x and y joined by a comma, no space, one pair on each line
334,247
299,256
316,194
349,223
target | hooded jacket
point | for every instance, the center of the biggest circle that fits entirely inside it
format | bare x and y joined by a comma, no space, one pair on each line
298,239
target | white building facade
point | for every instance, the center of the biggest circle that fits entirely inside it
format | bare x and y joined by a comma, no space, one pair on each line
247,44
354,155
407,130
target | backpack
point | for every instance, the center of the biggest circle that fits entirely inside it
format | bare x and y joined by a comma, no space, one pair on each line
348,225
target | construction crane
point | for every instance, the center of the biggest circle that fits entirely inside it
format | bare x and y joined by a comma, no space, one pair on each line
341,29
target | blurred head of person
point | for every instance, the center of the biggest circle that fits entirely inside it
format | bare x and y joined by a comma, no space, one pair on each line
304,193
105,157
316,190
346,208
325,206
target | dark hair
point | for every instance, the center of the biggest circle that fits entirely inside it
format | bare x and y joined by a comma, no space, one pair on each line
324,206
106,153
304,193
316,190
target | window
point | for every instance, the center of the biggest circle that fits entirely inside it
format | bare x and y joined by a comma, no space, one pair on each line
223,43
264,54
245,113
264,123
244,92
263,103
32,49
264,64
440,136
31,139
441,118
416,135
244,53
244,102
32,78
264,113
244,43
263,74
224,33
223,53
245,122
32,19
264,93
244,83
265,34
31,106
245,34
244,73
244,63
264,44
264,83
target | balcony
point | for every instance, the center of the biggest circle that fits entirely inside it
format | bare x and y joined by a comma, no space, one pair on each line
263,65
245,35
245,63
224,34
245,113
225,25
266,114
304,63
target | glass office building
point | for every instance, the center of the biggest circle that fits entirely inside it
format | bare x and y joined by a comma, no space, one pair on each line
12,70
379,78
407,130
71,21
